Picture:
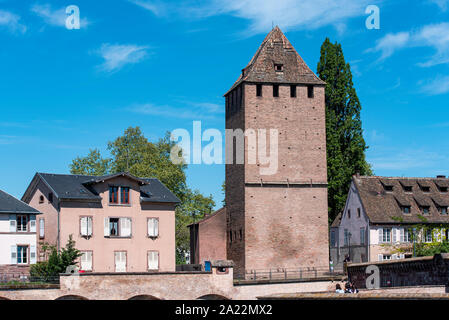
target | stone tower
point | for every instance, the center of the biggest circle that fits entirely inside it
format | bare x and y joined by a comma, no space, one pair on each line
280,219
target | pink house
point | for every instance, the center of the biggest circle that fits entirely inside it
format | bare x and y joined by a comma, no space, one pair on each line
120,223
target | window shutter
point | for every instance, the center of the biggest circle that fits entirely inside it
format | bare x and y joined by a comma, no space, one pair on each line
83,226
106,227
394,256
120,261
32,254
156,227
32,223
380,257
401,235
41,228
151,227
153,260
13,254
89,226
402,256
86,261
380,236
12,223
394,231
125,227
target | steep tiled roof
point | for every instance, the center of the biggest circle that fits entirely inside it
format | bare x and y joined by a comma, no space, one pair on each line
79,187
218,212
9,204
337,221
276,49
384,206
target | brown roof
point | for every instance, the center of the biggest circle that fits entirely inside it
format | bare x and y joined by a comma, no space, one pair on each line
276,49
207,217
337,221
382,206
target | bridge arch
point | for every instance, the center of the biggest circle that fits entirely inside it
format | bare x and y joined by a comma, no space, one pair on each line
71,297
144,297
212,297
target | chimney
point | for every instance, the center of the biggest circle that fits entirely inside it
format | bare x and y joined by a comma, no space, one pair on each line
441,177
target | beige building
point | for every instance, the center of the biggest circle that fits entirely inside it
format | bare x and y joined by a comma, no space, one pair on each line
120,223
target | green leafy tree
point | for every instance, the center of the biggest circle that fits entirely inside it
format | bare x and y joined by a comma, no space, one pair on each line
92,165
344,134
57,261
134,153
194,207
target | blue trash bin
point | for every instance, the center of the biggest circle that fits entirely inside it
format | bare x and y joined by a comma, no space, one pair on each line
207,266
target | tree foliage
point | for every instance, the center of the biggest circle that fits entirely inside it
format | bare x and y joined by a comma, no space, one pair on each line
344,134
134,153
56,263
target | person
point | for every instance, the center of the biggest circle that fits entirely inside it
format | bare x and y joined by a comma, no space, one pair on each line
354,288
338,289
347,288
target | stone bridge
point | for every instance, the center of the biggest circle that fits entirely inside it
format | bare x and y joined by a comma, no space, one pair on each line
217,284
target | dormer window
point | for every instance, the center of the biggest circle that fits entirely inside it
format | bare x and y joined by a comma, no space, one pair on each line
278,67
406,209
408,188
443,210
113,195
389,188
124,195
425,189
442,189
425,210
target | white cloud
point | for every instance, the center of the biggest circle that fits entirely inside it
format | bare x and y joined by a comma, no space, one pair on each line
443,4
434,36
55,17
437,86
156,8
11,22
288,14
192,111
391,43
116,56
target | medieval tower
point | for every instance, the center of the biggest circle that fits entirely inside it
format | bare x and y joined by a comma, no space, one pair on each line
279,220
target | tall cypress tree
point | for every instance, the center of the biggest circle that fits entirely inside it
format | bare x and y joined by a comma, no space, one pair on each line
344,134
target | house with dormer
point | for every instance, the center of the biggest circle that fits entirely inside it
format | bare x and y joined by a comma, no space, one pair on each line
121,223
380,216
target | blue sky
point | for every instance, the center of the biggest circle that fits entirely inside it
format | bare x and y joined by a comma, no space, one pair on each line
161,65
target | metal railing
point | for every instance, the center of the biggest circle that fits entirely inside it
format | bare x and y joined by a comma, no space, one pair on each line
288,273
20,278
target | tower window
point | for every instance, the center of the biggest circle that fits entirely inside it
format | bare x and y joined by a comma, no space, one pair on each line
293,91
275,90
310,92
259,90
279,67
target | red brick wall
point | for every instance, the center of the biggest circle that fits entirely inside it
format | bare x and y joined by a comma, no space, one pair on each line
212,238
283,225
10,272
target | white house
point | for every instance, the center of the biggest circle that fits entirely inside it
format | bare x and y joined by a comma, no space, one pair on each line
17,237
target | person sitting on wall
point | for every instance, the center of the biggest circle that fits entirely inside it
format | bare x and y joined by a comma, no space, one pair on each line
338,289
353,288
347,287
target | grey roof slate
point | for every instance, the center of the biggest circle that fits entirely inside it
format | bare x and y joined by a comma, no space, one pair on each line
9,204
79,187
